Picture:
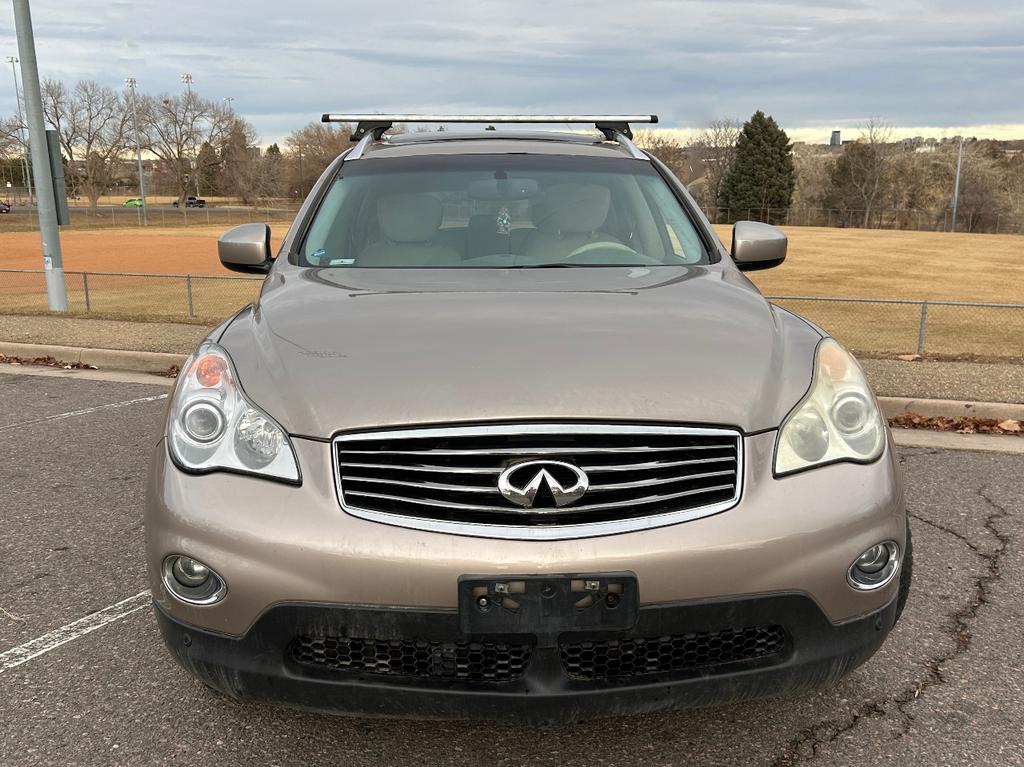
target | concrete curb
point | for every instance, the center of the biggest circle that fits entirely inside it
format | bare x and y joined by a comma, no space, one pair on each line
951,440
113,359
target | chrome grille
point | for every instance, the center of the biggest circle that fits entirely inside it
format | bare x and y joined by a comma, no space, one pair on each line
447,478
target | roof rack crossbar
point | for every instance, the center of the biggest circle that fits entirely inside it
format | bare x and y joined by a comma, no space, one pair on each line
610,125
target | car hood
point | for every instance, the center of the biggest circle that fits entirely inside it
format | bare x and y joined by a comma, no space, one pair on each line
332,350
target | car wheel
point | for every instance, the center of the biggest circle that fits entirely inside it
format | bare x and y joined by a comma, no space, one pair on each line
906,576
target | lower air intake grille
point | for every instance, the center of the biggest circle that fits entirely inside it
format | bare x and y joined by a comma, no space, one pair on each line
625,658
470,661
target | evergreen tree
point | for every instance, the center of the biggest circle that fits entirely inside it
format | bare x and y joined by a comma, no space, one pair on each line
761,176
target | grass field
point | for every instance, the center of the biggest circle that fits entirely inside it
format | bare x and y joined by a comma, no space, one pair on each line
845,263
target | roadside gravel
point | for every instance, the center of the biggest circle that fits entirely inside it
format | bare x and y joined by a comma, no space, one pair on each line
972,381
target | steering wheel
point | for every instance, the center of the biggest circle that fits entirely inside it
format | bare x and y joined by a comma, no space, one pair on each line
596,252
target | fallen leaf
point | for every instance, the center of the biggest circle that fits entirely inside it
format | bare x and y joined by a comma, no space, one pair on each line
908,357
1010,425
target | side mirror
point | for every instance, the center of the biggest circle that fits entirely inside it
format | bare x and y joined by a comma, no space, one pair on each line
246,249
757,246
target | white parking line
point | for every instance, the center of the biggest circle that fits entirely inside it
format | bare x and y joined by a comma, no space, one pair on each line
74,630
84,411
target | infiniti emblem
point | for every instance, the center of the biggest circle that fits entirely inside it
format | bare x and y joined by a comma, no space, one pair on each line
521,482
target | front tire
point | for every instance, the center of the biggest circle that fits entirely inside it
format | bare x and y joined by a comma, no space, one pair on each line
906,576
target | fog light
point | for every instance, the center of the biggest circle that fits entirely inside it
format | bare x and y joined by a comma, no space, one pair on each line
189,573
875,567
191,581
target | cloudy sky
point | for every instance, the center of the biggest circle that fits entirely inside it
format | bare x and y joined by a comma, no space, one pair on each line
921,65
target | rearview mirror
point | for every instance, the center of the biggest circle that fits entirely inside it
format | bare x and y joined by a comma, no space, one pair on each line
757,246
246,249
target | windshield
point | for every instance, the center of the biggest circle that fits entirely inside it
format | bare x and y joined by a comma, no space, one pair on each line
500,211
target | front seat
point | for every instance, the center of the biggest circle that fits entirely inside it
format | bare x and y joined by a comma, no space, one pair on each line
569,217
408,225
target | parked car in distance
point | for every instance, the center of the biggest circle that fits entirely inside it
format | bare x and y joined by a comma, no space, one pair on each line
134,202
191,202
509,434
5,207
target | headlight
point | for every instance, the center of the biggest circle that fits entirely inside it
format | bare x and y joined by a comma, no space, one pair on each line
838,420
213,426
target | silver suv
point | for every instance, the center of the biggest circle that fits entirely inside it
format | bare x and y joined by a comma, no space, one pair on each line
508,433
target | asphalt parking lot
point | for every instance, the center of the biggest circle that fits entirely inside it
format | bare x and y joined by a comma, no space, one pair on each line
946,689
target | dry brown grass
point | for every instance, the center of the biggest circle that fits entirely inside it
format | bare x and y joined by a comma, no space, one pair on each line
888,264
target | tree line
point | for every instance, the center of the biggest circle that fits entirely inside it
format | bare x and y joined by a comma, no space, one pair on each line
191,144
752,169
199,146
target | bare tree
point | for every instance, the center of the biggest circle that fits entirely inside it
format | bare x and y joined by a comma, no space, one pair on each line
92,122
671,151
310,150
813,175
174,129
244,172
715,148
862,174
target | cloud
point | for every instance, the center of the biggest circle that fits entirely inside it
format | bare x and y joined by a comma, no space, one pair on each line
809,63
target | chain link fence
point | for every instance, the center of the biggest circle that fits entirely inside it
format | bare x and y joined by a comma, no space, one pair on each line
862,324
175,297
905,326
989,222
113,217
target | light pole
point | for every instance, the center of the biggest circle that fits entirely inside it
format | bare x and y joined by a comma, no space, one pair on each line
26,176
956,184
131,82
49,232
187,80
228,100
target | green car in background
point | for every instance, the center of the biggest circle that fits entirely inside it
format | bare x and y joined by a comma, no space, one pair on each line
134,202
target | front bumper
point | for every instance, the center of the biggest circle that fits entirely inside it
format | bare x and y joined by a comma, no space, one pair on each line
275,543
547,686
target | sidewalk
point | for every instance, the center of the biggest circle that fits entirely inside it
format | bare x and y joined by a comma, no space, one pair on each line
964,381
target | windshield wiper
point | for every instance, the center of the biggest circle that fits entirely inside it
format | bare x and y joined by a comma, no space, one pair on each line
563,265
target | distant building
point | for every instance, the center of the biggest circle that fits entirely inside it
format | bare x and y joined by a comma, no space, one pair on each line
836,140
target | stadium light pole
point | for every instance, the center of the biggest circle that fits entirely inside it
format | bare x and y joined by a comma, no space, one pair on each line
956,184
131,82
26,176
187,80
49,232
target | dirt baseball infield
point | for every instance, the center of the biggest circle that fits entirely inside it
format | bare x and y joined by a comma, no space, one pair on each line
151,251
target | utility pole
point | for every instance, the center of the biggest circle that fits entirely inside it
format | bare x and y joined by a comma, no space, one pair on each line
956,184
26,177
49,232
131,83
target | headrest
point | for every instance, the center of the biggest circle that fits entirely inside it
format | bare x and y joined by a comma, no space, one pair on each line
573,208
409,217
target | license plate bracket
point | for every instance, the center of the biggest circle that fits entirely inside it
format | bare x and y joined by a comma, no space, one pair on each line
547,605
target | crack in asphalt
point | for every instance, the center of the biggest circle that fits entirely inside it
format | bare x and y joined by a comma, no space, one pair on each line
804,747
948,530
